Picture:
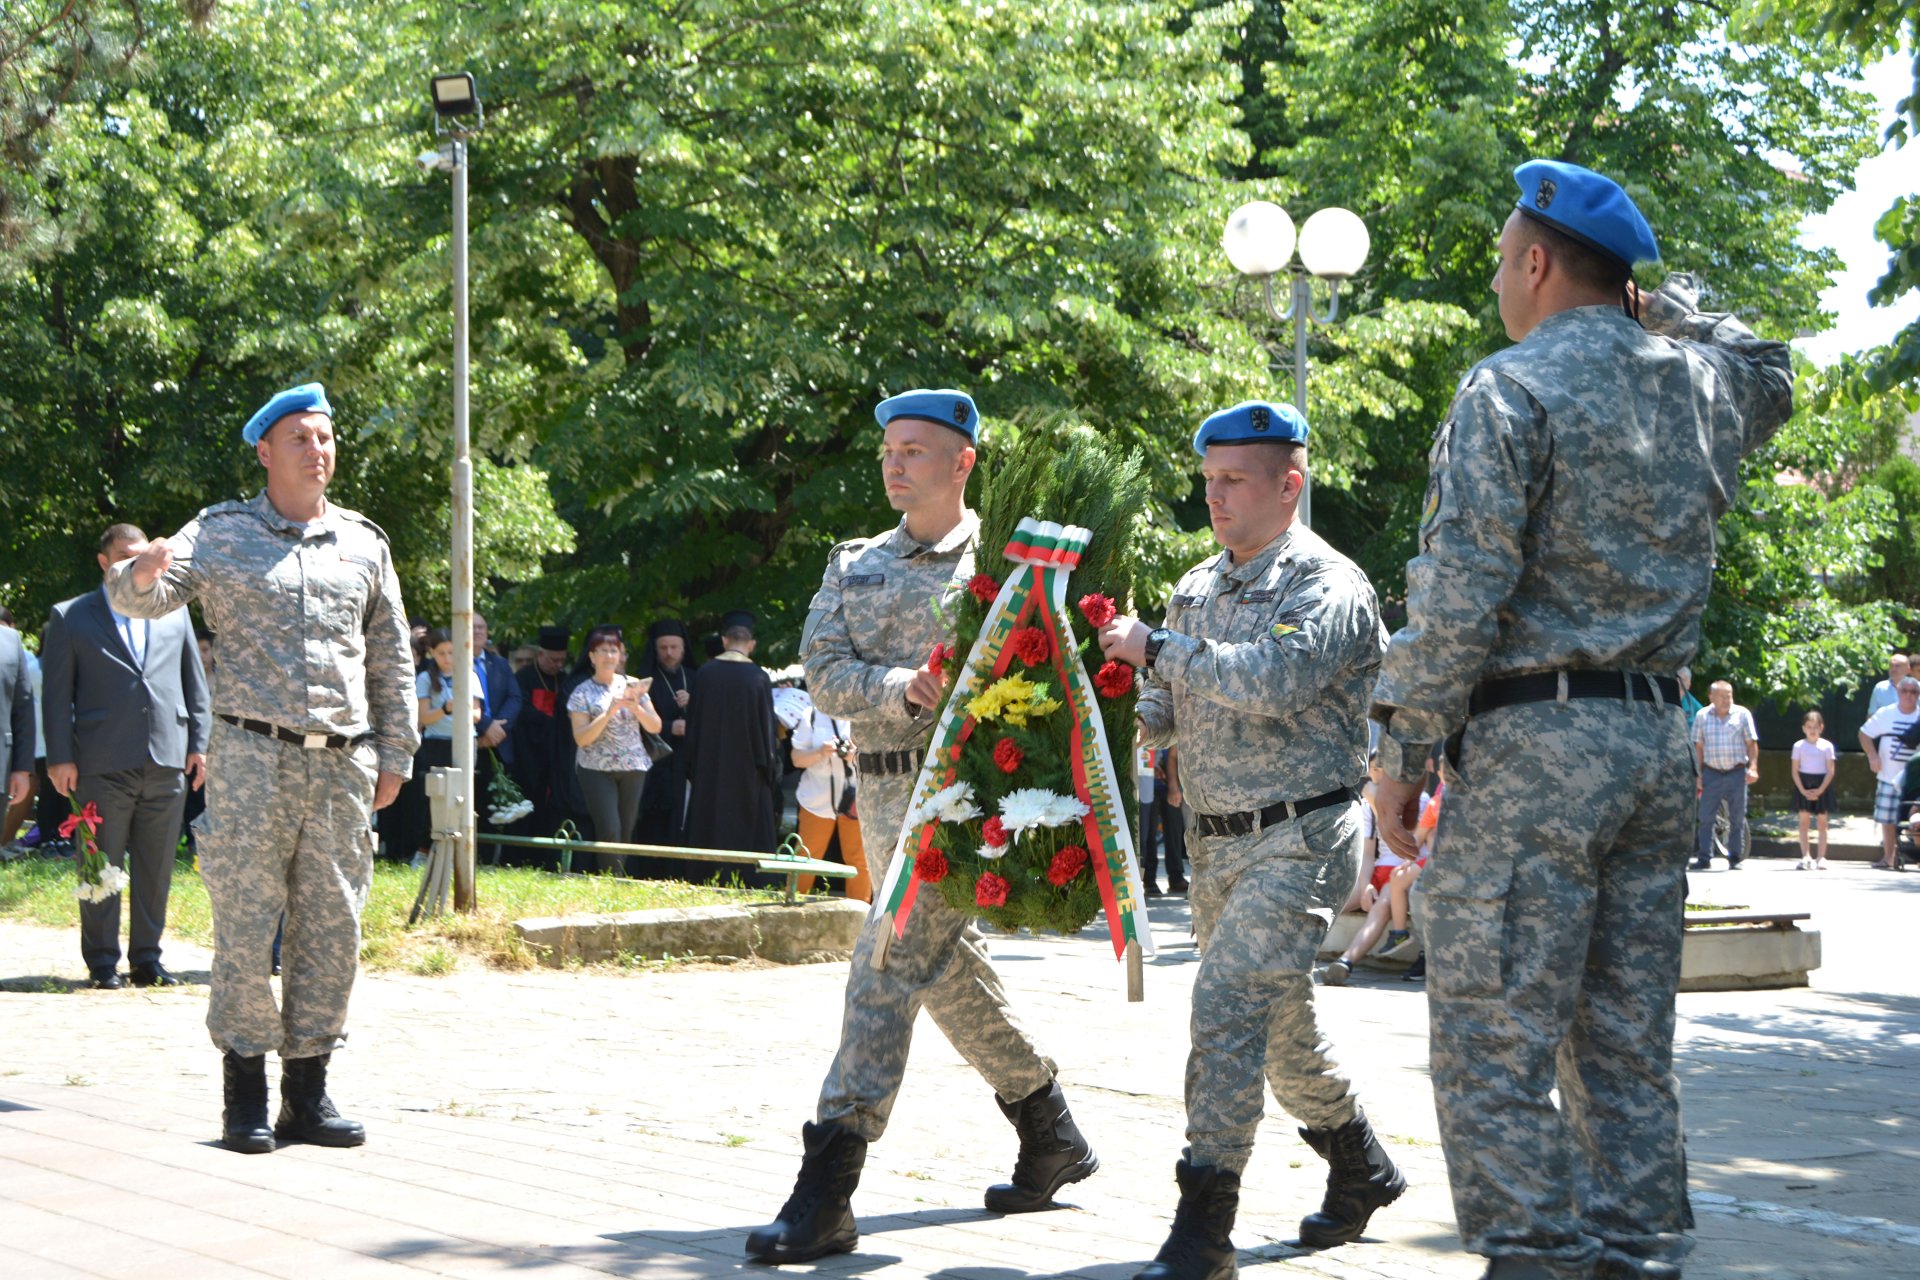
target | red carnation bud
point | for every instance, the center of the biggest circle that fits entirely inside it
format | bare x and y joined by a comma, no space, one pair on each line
1031,645
990,891
983,588
937,661
1114,680
1008,755
1067,863
994,831
1098,610
931,866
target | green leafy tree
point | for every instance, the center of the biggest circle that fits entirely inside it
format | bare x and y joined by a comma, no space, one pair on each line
1870,28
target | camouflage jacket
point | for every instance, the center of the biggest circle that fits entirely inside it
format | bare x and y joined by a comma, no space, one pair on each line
873,623
309,630
1569,519
1266,679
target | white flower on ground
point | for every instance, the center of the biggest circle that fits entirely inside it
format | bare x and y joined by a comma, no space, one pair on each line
1031,807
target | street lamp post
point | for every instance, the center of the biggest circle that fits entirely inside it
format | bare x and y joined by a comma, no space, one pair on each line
1259,240
457,115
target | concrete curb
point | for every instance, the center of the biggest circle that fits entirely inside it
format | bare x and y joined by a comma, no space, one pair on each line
823,929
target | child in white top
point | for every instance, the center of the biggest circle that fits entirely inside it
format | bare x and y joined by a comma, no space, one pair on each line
1813,774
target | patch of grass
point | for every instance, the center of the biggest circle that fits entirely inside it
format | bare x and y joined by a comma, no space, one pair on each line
39,891
78,1081
736,1139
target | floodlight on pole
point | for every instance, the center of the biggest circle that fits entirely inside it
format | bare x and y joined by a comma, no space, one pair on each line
454,100
1259,240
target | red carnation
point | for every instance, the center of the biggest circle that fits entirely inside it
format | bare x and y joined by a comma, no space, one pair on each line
1031,646
1115,680
937,661
994,832
931,866
990,891
1067,863
1097,610
983,588
1008,755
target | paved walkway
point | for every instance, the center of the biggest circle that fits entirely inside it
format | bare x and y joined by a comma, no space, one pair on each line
561,1125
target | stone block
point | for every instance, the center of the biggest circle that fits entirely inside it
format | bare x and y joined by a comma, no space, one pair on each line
821,929
1737,958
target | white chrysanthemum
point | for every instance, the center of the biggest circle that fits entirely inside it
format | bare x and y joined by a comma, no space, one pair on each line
512,813
993,852
1032,807
949,804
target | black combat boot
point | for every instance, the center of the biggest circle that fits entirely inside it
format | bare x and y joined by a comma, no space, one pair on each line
1052,1152
243,1122
307,1114
1198,1247
1361,1178
817,1218
1519,1269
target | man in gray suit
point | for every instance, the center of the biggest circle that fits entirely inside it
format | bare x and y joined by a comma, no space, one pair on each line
16,716
126,723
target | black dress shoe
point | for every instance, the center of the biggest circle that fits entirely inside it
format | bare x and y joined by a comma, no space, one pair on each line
152,975
1176,886
107,980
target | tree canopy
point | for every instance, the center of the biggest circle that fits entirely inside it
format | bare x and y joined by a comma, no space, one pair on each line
708,236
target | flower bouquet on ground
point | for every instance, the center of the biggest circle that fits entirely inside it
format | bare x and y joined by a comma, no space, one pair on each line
99,880
1019,815
506,803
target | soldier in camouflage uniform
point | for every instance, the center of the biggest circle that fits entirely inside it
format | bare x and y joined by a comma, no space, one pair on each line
1263,672
1566,551
313,730
870,632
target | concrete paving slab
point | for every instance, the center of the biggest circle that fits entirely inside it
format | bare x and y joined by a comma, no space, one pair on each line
598,1123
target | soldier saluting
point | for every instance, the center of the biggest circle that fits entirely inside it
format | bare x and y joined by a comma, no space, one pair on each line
313,730
1566,551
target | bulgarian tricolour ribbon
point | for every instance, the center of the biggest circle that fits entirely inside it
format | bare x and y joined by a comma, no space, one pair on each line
1034,594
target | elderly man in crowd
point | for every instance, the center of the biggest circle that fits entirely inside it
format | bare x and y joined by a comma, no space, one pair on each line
1727,747
1884,693
1888,738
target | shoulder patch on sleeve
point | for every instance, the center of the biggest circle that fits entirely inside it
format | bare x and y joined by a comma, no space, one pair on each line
357,518
225,509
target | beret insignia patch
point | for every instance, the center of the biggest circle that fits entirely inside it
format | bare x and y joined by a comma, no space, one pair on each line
1544,197
960,412
1259,417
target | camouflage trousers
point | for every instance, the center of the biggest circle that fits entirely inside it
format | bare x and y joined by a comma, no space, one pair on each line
285,829
1554,910
1261,906
940,964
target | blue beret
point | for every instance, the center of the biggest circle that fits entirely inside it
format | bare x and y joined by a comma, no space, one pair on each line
1587,207
1251,422
309,398
947,407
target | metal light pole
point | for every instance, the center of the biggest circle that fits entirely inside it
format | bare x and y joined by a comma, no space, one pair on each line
457,116
1259,241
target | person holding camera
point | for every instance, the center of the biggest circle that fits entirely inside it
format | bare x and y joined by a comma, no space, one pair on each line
608,710
823,750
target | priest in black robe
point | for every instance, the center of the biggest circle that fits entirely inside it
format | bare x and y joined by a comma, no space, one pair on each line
663,810
733,752
534,736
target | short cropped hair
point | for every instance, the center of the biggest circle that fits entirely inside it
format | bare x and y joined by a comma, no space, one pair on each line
1583,265
118,533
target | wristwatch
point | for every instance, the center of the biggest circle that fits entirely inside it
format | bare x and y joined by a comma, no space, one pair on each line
1155,639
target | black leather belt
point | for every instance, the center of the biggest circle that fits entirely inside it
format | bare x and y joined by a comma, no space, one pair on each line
1544,686
311,741
884,764
1251,820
